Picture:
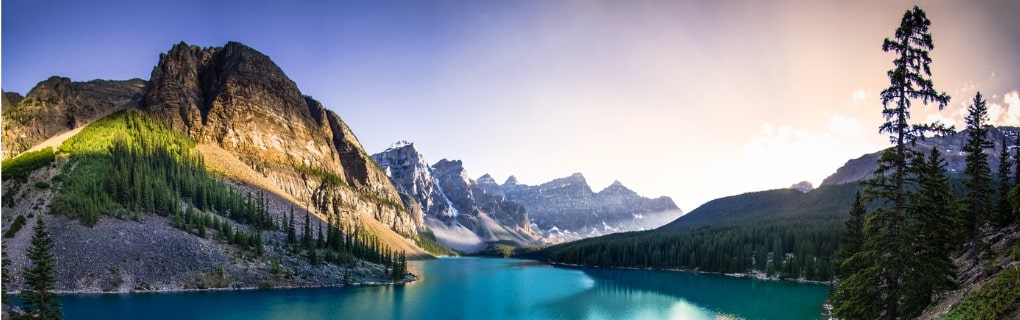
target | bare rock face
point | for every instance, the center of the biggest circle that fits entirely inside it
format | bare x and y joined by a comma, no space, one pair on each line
57,105
473,206
412,175
238,99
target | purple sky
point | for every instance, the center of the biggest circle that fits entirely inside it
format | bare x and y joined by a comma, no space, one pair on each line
690,99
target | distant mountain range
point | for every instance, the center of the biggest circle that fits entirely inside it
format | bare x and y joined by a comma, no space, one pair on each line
951,147
467,214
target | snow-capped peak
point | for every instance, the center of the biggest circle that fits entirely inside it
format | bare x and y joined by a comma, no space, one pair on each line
400,144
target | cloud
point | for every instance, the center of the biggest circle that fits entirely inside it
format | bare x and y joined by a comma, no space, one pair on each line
1012,101
781,155
1005,113
859,95
841,125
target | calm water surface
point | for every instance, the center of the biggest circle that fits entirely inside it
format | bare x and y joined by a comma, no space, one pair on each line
478,288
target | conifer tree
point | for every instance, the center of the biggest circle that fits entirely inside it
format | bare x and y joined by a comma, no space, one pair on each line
306,237
40,300
932,209
1004,210
853,238
291,234
977,197
875,291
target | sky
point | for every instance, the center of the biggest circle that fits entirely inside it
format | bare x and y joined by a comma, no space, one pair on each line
694,100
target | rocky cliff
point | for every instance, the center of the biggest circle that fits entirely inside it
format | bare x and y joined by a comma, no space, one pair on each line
461,215
950,146
237,99
59,105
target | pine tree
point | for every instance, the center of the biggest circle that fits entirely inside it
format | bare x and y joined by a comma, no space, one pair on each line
875,291
853,238
978,186
306,237
931,237
40,300
291,234
1004,210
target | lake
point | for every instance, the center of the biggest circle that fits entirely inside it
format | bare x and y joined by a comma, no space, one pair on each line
483,288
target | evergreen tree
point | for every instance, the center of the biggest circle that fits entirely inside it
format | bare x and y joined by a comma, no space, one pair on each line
876,291
932,210
978,186
306,237
853,238
40,300
1004,210
291,234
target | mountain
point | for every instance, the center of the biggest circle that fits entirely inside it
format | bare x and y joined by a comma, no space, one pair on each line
951,147
58,105
568,206
236,99
192,178
460,214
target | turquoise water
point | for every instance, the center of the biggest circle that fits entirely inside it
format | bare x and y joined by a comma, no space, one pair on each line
478,288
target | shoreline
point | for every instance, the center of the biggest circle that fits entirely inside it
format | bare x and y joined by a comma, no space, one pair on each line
412,278
755,275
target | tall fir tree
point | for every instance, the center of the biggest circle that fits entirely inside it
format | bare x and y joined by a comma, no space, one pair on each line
977,199
291,234
40,302
1004,210
932,210
306,237
876,291
853,238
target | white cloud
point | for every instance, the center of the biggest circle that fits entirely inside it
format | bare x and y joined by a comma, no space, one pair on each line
841,125
783,155
1012,101
859,95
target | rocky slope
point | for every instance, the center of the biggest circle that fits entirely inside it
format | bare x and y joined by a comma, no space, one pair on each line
461,215
951,147
119,255
569,206
58,105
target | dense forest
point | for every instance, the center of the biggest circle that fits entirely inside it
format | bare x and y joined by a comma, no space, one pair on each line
782,233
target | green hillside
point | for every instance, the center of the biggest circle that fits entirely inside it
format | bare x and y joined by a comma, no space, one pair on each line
782,233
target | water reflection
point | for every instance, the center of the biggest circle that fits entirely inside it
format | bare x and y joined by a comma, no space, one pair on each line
620,294
491,289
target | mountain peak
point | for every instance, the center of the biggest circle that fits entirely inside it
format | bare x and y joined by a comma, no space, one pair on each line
617,188
400,144
510,181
